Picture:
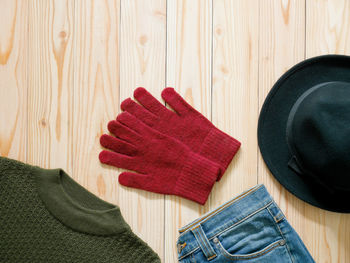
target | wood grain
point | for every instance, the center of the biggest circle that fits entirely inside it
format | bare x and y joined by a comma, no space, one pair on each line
327,32
96,91
189,71
49,83
328,29
142,63
235,91
13,77
281,45
65,66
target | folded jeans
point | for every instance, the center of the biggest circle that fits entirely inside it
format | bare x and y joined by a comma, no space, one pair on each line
249,228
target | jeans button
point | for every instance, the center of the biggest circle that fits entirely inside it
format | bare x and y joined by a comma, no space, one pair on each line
216,240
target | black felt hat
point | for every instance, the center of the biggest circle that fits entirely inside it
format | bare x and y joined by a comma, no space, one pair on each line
304,131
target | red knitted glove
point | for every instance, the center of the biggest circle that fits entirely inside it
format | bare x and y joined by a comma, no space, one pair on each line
185,124
164,164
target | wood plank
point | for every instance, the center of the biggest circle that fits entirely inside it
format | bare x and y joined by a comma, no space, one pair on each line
13,75
96,91
327,27
189,72
282,42
142,63
327,32
235,91
49,83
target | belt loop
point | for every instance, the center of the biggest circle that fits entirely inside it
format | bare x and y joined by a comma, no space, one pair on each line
203,242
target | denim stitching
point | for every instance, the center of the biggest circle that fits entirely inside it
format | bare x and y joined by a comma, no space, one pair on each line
279,217
204,246
208,247
226,229
240,221
192,251
187,227
212,257
260,253
279,229
202,240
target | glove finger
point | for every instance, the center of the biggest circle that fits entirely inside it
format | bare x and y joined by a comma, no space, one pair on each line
138,111
135,124
149,102
117,145
123,132
135,180
176,101
117,160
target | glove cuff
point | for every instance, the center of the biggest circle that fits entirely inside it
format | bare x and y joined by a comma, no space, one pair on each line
198,177
219,148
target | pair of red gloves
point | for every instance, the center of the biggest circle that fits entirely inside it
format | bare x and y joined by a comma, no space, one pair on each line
176,152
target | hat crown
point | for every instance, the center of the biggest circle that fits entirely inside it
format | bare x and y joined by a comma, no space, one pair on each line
318,133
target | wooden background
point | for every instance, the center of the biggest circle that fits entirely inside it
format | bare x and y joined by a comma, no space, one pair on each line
65,66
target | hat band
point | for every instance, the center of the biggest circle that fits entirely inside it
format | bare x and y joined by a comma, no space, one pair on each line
295,162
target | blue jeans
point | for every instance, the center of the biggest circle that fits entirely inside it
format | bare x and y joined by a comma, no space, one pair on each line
249,228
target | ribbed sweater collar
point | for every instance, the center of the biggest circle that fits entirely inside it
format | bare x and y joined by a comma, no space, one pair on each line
103,219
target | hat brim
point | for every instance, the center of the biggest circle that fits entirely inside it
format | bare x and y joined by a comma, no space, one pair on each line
273,120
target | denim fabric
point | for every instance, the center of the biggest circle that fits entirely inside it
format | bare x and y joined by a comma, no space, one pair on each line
249,228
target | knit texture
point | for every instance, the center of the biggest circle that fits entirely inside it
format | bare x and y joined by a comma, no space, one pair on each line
185,124
30,233
163,164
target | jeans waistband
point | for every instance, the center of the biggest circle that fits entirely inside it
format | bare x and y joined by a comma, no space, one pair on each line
223,217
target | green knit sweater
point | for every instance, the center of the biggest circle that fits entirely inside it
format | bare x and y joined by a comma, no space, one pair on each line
45,216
